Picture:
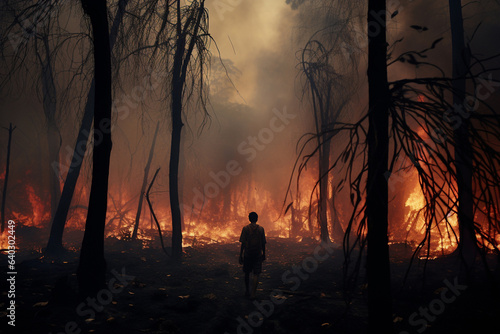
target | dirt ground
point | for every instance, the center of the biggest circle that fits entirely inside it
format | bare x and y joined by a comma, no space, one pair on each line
148,293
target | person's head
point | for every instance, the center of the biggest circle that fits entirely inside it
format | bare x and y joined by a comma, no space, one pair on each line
253,217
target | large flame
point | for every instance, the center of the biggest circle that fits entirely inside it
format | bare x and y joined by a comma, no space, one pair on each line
221,222
39,212
444,233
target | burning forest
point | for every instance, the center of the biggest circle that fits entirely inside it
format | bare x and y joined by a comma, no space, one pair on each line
232,166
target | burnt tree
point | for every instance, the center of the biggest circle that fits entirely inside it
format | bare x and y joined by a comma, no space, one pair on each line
54,244
6,178
462,144
378,267
92,266
186,39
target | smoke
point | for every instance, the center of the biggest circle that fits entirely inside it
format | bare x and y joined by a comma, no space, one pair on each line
242,160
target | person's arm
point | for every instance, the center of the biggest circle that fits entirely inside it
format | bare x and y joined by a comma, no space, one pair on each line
241,252
263,245
242,240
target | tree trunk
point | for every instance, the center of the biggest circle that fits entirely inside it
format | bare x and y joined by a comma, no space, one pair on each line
53,135
463,148
54,142
324,164
337,230
6,179
173,178
144,184
182,58
55,246
59,221
378,268
92,267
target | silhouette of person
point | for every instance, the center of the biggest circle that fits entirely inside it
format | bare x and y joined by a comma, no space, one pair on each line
252,253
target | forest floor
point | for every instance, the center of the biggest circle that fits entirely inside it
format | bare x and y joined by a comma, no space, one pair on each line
300,292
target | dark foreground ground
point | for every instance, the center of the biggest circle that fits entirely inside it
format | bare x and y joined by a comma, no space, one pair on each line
204,294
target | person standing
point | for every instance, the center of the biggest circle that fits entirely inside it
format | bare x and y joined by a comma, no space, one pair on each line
252,253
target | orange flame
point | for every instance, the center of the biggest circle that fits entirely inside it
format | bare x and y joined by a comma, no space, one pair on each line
417,226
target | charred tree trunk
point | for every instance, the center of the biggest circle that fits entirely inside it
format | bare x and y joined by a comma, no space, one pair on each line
54,142
49,109
463,147
324,164
54,244
378,268
173,177
6,179
182,164
318,72
337,230
144,184
92,267
182,58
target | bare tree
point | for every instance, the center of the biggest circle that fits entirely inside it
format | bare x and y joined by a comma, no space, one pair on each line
49,97
175,37
378,266
34,27
187,37
32,30
54,244
328,99
463,147
92,266
329,82
6,178
423,134
416,112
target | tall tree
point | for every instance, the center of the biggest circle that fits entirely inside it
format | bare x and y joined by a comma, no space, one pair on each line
173,37
330,81
321,82
186,39
49,97
462,144
92,266
415,109
6,177
328,98
55,244
378,266
32,31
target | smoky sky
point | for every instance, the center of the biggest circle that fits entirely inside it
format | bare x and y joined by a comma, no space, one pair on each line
259,42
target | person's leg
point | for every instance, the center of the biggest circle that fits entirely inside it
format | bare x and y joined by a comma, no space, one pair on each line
257,269
247,282
255,282
247,268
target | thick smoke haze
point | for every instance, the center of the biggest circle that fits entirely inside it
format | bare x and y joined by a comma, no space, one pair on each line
258,109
